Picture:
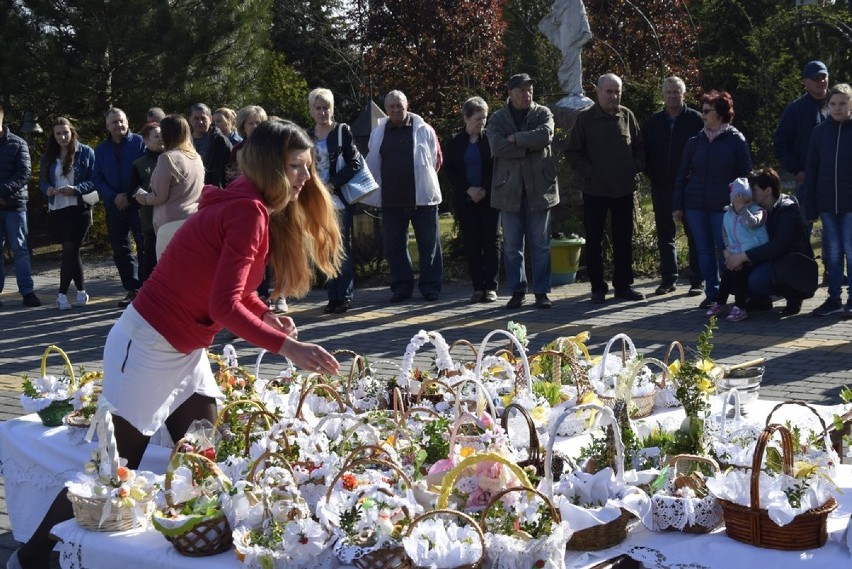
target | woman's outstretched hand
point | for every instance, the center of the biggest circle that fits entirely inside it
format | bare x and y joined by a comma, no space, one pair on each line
309,357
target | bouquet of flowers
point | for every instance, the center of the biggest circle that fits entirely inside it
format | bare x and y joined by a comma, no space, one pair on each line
108,496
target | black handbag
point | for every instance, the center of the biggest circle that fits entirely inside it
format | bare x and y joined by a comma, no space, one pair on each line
795,275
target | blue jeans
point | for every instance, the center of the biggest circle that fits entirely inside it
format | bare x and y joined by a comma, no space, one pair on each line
395,222
837,246
120,225
341,288
13,228
706,228
531,228
760,281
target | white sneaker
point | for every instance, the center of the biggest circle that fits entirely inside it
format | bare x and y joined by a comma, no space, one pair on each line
62,302
279,304
82,298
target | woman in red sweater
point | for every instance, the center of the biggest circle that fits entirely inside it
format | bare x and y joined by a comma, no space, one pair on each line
155,359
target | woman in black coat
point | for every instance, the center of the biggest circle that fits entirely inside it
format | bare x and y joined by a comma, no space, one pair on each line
468,166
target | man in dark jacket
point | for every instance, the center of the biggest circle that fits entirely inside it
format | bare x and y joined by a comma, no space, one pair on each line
793,135
606,149
665,134
114,159
213,146
15,168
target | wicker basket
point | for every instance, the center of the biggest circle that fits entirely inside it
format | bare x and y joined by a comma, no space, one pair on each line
433,513
752,525
208,537
88,511
639,406
52,415
369,556
602,536
708,504
535,457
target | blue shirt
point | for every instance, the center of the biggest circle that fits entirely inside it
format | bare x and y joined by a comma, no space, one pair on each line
473,165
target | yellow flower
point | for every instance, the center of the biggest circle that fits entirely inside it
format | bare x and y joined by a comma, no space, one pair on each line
706,385
674,367
538,414
802,469
507,399
535,366
391,440
467,451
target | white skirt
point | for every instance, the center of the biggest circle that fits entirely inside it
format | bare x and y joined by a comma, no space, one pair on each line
145,378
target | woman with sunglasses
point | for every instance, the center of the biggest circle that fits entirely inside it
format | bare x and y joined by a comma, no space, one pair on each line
711,160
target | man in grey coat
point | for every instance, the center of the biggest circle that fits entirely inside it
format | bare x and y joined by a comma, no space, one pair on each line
524,187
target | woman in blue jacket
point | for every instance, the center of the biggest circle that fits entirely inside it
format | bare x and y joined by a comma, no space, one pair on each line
711,160
828,179
66,177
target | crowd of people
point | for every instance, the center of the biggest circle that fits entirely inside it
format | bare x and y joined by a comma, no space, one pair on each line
275,210
502,176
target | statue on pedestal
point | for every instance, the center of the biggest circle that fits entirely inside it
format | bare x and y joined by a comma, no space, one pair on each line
567,27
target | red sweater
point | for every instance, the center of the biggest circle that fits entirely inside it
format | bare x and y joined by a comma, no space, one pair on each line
207,276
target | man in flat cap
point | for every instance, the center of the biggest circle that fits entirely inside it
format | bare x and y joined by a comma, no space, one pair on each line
524,187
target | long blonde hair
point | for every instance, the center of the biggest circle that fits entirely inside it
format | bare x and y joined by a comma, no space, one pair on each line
303,233
177,135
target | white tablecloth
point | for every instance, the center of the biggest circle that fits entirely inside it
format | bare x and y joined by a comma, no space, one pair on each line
36,461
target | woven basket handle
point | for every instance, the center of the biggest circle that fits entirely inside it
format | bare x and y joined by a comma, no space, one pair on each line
757,459
464,343
477,372
260,359
554,513
627,347
49,350
824,431
693,458
352,465
534,454
321,386
450,477
270,419
356,370
482,391
604,416
177,458
734,394
397,403
376,452
103,426
266,458
418,397
681,353
462,515
235,405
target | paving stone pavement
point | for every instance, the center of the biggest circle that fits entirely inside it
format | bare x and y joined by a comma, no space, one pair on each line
808,358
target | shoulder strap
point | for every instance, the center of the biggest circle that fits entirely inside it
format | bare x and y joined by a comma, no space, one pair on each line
340,137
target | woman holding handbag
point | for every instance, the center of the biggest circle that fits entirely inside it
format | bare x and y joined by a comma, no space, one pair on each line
337,161
66,179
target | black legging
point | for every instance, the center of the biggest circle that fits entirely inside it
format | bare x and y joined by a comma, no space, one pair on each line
71,268
131,445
